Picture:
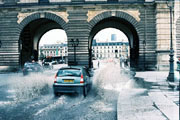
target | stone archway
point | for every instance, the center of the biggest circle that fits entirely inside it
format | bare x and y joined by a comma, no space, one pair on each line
41,15
122,21
31,30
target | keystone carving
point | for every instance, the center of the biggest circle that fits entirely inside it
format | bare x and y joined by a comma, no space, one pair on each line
133,13
22,16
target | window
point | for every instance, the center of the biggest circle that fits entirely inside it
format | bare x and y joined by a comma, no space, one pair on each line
112,1
28,1
43,1
59,0
69,71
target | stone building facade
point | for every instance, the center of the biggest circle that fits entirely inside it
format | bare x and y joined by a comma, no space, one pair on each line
110,50
145,23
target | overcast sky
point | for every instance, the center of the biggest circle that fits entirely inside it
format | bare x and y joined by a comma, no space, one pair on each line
59,36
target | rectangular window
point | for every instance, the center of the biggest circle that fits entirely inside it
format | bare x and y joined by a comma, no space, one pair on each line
59,0
111,1
69,72
43,1
77,0
28,1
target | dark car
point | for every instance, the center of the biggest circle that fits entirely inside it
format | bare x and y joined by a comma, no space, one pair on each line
72,79
47,64
32,67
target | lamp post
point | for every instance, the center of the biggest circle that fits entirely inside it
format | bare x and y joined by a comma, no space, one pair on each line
178,67
0,43
170,4
75,43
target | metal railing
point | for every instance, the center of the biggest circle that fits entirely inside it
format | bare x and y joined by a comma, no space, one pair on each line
59,1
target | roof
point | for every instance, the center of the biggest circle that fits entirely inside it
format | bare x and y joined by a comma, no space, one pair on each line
80,67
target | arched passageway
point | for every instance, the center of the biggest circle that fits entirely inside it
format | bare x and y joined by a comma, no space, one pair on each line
33,28
121,24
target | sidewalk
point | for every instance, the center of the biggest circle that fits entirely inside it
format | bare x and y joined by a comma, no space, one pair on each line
148,97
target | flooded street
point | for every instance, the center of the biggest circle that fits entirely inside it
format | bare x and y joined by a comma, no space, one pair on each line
31,97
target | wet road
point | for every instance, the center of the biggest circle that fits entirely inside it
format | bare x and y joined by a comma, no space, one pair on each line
31,97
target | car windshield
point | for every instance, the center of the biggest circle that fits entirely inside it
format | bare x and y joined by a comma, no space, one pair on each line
69,72
47,60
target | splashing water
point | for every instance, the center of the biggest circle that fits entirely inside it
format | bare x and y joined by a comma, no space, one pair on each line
109,77
31,86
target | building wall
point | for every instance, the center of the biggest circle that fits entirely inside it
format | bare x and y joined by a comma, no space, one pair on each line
9,50
177,28
54,50
163,35
106,51
149,20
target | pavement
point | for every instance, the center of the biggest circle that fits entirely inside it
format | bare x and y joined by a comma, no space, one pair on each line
149,97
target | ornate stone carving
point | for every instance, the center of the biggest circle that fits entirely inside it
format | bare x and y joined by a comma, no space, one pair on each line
63,15
22,16
93,13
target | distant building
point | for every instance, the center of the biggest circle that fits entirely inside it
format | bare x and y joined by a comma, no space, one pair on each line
106,50
54,50
113,37
100,50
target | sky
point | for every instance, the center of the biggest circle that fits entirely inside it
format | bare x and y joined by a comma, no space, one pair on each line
105,35
59,36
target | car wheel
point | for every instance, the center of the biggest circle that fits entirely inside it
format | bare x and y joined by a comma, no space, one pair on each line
85,91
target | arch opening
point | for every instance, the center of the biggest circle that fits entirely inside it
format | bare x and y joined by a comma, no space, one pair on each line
127,28
30,38
53,46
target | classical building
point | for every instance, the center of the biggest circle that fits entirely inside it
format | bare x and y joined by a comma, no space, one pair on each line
100,50
53,50
104,50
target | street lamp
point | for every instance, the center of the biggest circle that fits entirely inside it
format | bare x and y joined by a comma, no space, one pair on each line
75,43
170,4
0,43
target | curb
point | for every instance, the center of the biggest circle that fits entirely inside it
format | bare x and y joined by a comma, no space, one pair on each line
131,102
174,85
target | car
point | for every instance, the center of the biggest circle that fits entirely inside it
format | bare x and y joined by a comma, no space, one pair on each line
72,79
32,67
54,62
61,61
47,64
